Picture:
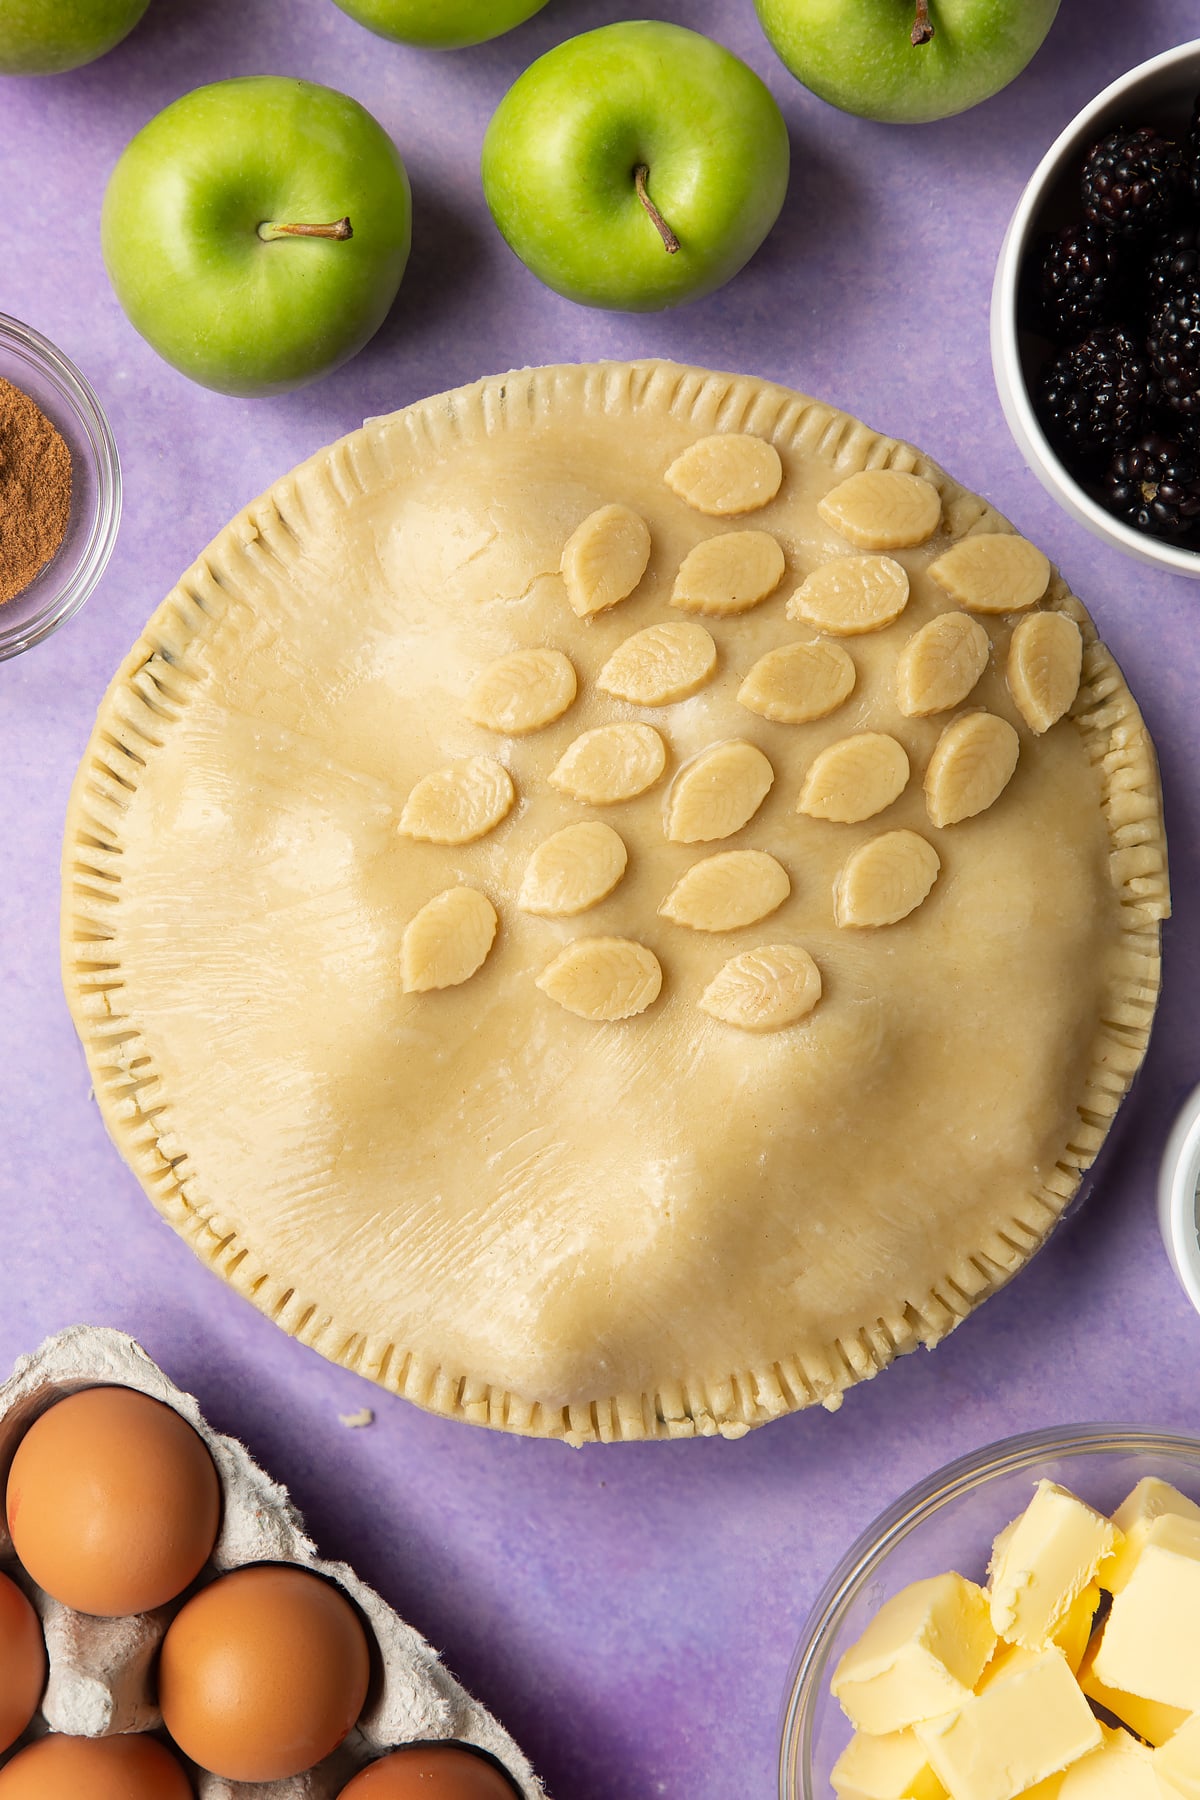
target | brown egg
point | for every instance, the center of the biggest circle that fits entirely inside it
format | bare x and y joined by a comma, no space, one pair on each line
113,1502
114,1768
430,1772
263,1673
22,1662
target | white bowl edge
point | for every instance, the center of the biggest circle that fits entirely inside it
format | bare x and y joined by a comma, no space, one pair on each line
1006,360
1178,1188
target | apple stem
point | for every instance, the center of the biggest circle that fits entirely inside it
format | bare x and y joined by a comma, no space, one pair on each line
922,29
340,229
670,241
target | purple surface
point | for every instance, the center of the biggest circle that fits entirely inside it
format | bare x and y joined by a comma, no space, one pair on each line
630,1613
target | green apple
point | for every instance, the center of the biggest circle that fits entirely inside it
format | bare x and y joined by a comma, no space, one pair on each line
441,24
46,37
256,231
906,61
636,166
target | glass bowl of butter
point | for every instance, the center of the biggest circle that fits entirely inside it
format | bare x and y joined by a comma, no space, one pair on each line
981,1662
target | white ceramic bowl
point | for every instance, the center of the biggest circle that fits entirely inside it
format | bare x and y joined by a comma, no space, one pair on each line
1160,93
1179,1198
948,1522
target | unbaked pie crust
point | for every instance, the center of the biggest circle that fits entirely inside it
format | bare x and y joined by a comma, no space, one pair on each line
539,983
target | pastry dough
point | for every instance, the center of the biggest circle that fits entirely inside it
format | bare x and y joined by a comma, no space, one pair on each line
548,1196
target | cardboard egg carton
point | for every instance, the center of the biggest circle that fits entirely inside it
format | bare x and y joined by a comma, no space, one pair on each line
101,1671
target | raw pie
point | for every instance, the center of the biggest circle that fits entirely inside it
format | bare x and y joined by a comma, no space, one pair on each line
615,901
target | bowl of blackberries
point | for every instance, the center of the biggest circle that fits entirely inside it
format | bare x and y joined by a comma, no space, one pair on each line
1096,315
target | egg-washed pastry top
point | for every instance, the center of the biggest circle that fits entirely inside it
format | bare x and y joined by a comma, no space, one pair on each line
614,901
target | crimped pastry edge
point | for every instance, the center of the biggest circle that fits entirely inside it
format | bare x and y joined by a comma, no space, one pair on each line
150,689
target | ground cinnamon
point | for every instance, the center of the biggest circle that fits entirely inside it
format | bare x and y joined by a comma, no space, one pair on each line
35,490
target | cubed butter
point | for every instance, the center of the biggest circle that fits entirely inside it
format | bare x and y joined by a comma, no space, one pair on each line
1150,1499
1177,1762
1072,1638
1151,1642
1043,1562
1149,1718
1004,1659
1121,1769
894,1767
1027,1725
1050,1789
921,1655
1075,1631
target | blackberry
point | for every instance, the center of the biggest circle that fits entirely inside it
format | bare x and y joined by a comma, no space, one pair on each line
1154,485
1174,261
1132,181
1091,395
1078,283
1174,345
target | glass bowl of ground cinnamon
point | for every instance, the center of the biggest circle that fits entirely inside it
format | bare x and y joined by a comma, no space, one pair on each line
60,488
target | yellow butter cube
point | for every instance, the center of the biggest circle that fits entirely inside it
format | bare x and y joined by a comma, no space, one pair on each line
1149,1718
1150,1499
1150,1644
1121,1769
1074,1632
1177,1762
1050,1789
894,1767
1072,1638
921,1655
1042,1562
1027,1725
1005,1659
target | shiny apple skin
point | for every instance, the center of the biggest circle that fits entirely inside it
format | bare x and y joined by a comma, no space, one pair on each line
48,37
180,232
859,54
560,153
441,24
